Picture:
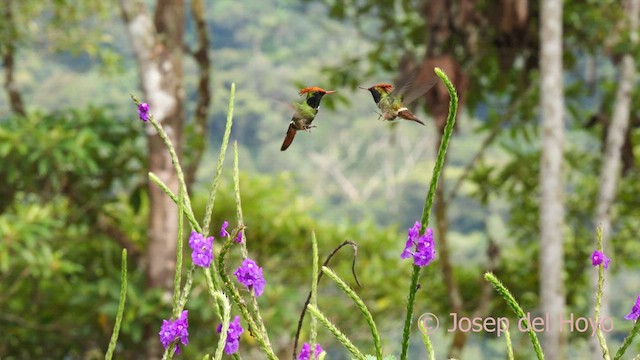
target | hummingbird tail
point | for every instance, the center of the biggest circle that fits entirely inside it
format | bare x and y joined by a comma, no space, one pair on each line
408,115
288,139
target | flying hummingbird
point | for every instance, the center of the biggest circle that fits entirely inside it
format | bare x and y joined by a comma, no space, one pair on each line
393,103
305,112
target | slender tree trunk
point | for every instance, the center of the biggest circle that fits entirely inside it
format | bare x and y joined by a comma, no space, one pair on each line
551,201
158,48
611,161
8,60
198,142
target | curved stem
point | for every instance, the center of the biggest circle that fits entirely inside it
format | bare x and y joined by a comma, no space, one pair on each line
511,301
415,276
123,299
363,308
336,332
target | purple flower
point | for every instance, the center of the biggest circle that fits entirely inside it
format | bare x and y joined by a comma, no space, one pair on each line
238,238
202,249
412,234
425,250
249,274
635,311
167,333
223,229
143,111
172,330
305,352
233,335
598,258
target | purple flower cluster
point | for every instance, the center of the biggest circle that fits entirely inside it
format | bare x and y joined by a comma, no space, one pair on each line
202,249
233,336
143,111
425,250
598,258
249,274
238,238
172,330
223,229
635,311
305,352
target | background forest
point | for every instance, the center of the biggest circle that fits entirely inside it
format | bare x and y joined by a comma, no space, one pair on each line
75,159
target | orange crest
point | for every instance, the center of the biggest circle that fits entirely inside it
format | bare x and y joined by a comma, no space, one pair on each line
384,86
311,89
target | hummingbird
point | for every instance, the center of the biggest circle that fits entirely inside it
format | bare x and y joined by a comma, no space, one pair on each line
305,112
393,103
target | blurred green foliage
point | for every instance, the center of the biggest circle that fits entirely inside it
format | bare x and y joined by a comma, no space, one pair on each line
70,184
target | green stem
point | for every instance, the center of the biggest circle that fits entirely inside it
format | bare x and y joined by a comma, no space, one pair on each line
236,189
426,212
223,151
336,332
627,341
427,341
513,304
237,299
360,304
214,186
601,339
243,244
177,280
186,289
507,338
123,298
187,210
172,152
221,301
313,323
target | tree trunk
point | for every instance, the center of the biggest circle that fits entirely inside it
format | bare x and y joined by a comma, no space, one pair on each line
158,48
551,201
611,161
8,61
198,141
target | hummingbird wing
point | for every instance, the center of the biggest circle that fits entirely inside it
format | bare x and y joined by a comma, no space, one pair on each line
408,90
288,139
413,91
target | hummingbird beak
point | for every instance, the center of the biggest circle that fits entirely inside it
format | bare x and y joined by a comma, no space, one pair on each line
329,92
363,88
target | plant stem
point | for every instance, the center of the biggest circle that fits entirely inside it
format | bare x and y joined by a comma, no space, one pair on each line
628,340
415,276
363,308
187,211
313,323
427,341
336,332
177,280
507,339
601,340
513,304
213,280
237,299
221,301
223,151
123,299
243,242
